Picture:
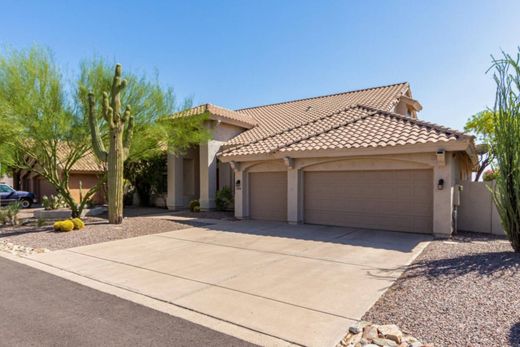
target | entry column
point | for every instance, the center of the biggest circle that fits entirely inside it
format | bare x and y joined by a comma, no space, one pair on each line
208,173
175,182
294,196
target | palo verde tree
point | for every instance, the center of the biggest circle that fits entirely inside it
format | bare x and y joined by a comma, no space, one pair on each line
506,144
40,130
481,125
101,94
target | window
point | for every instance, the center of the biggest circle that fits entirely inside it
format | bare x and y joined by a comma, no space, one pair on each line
5,189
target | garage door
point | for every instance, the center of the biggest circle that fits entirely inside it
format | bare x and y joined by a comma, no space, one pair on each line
268,195
400,200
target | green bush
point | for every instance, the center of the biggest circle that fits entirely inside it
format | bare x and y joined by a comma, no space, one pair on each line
9,214
194,206
53,202
3,216
224,198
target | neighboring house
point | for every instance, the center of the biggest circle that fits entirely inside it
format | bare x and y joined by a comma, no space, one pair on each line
85,174
358,159
6,180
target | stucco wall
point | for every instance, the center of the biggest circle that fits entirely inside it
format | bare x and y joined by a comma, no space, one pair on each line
477,211
87,181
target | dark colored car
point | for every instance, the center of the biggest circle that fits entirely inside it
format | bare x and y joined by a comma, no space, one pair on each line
9,195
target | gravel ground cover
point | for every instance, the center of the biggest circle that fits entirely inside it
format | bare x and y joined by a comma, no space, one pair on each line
459,292
97,230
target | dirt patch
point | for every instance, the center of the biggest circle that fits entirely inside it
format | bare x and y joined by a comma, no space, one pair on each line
462,292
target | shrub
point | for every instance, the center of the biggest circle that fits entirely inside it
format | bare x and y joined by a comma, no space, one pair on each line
53,202
490,175
12,212
194,206
3,216
224,198
78,223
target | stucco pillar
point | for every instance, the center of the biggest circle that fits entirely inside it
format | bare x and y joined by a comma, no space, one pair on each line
175,182
241,197
443,198
208,173
294,215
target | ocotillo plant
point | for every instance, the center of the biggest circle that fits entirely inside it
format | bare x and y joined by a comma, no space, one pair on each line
120,136
506,145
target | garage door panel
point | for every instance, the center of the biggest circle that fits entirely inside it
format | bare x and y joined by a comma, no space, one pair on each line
268,196
399,200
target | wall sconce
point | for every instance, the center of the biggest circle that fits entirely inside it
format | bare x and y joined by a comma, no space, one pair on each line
440,184
238,185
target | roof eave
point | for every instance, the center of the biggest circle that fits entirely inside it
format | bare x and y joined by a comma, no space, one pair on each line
430,147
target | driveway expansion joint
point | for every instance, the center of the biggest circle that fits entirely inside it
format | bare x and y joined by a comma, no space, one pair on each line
164,301
363,266
209,284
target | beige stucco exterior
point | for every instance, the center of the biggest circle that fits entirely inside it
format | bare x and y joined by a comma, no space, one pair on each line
429,155
449,167
198,174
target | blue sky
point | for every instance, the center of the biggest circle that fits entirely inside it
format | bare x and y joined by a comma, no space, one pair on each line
246,53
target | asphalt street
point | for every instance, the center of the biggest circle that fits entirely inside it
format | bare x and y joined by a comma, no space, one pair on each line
40,309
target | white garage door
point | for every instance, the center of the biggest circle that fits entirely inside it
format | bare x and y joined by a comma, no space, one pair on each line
400,200
268,196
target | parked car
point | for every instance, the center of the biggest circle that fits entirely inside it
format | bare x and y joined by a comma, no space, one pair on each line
9,195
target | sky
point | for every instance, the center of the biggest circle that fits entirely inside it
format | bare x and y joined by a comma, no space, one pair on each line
239,53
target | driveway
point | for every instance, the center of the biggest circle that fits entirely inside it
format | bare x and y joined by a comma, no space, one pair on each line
300,283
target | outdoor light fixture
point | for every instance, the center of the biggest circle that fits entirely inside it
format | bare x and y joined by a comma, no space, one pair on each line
238,185
440,184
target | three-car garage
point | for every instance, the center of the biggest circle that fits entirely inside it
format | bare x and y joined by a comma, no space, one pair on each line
399,200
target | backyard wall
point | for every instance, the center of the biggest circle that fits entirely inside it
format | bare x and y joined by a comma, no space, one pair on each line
477,211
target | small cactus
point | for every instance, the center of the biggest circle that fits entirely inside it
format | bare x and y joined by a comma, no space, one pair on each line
78,223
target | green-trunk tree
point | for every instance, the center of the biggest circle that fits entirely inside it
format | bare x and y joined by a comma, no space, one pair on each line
39,130
120,124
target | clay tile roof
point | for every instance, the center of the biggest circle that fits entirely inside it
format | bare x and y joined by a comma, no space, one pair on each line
86,164
357,126
275,117
220,113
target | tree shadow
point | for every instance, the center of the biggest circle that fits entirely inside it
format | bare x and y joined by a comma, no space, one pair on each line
514,335
496,264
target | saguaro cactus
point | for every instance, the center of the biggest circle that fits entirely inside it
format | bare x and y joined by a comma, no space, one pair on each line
120,131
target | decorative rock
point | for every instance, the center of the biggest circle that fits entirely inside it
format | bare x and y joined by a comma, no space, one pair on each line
20,250
366,334
370,332
354,329
384,342
391,332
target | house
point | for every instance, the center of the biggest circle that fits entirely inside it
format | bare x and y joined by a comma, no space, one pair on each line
359,159
85,174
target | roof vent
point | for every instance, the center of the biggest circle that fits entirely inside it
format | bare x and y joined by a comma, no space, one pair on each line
308,108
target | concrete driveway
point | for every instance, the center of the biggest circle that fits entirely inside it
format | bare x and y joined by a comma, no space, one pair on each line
300,283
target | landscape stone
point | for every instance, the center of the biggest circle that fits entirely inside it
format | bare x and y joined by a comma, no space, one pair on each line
391,332
384,342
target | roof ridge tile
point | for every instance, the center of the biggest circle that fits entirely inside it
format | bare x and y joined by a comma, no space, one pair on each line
324,96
